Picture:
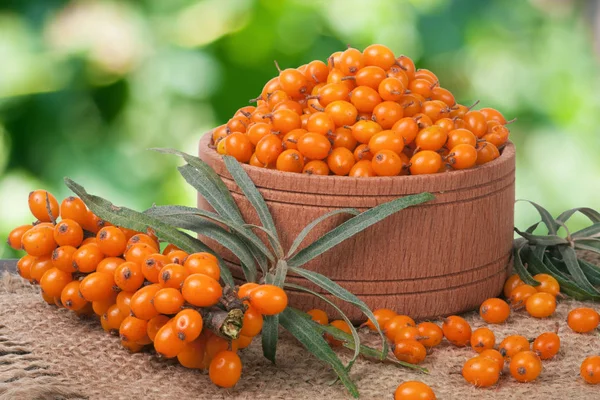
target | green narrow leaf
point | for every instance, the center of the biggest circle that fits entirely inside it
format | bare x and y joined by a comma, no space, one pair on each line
254,197
520,268
281,271
592,214
592,231
532,228
569,257
217,233
272,238
302,235
270,335
546,217
592,245
354,226
354,336
548,240
313,341
591,271
343,294
130,219
185,212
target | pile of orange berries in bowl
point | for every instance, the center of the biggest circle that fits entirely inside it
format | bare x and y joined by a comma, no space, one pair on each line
170,299
361,114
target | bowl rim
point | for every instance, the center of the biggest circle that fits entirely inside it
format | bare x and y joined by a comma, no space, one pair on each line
485,174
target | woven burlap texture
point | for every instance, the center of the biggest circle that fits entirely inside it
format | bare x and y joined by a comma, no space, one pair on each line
49,353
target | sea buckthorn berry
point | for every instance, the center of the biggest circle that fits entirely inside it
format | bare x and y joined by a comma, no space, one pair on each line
316,71
512,345
203,263
39,241
342,137
246,288
192,354
242,342
476,123
430,334
511,284
362,169
425,162
379,55
541,305
370,76
71,298
407,128
413,390
462,156
382,316
253,322
239,147
441,94
321,122
362,153
201,290
109,265
363,131
340,112
97,286
546,345
590,370
391,89
48,299
426,74
395,324
314,146
93,223
188,325
387,163
138,252
219,133
166,342
333,92
525,366
548,284
14,237
284,121
68,233
38,205
460,136
482,339
340,161
62,258
420,86
407,65
290,161
87,258
270,87
583,320
408,332
431,138
520,294
24,266
365,98
238,124
128,276
73,208
293,82
319,316
350,62
141,302
268,149
101,307
258,131
492,114
169,248
225,369
133,329
177,257
387,113
341,325
495,356
494,311
214,345
268,299
457,330
172,275
168,301
290,139
410,351
54,281
132,347
39,267
112,241
423,121
448,125
112,319
481,372
154,325
387,140
276,97
435,109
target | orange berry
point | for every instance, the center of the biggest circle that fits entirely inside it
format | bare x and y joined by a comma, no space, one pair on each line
202,290
177,257
494,311
482,339
457,330
340,161
430,334
583,320
410,351
109,265
512,345
341,325
154,325
166,342
319,316
525,366
511,284
481,371
541,305
172,275
39,267
225,369
97,286
87,258
268,299
314,146
123,301
141,303
39,241
38,205
425,162
382,316
15,236
133,329
111,320
548,284
71,298
246,288
62,258
413,390
168,301
387,163
24,266
395,324
290,160
137,253
520,294
68,233
316,167
495,356
54,281
128,276
590,370
546,345
192,354
253,322
73,208
188,324
112,241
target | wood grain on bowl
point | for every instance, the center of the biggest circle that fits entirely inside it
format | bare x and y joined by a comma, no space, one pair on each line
439,258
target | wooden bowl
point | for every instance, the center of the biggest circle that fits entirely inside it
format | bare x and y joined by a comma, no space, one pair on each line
436,259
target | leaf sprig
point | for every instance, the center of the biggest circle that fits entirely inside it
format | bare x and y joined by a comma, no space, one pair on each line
227,227
557,255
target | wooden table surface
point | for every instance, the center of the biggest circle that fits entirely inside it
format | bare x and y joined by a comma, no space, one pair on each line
8,265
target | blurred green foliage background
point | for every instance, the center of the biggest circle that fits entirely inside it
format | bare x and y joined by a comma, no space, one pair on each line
87,86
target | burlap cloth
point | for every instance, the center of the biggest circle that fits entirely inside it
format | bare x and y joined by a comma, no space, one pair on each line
47,353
